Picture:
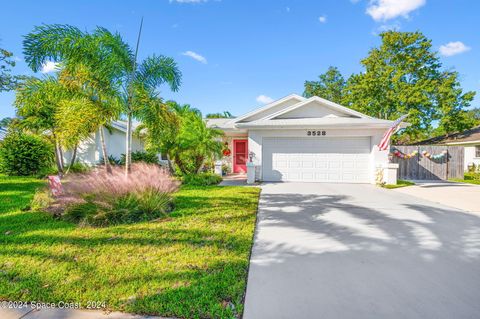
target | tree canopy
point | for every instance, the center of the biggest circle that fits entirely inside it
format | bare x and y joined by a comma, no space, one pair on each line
105,66
330,86
403,75
7,80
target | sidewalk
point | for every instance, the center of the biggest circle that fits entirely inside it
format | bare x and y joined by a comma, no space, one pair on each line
29,313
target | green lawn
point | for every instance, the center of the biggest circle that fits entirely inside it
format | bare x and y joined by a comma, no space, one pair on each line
192,264
471,178
400,183
470,181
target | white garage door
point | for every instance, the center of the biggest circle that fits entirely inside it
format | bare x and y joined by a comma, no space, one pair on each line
316,159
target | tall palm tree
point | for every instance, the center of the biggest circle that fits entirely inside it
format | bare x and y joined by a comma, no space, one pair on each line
111,64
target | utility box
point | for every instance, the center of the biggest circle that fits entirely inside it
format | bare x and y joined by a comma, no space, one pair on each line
218,168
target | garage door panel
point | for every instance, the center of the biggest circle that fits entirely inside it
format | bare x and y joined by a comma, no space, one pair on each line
337,159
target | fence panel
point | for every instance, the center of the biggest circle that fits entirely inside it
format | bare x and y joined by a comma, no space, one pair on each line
422,167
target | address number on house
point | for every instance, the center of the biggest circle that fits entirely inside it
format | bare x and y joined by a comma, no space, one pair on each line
316,133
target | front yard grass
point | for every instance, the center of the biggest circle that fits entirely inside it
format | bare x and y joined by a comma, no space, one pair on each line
400,183
471,178
192,264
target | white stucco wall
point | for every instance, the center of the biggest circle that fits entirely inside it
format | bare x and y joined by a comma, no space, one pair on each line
89,152
469,156
255,138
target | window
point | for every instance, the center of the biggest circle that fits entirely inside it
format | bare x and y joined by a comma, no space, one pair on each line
477,150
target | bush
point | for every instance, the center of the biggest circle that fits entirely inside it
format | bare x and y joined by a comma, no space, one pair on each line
79,168
140,156
202,179
98,198
472,176
25,154
130,208
42,199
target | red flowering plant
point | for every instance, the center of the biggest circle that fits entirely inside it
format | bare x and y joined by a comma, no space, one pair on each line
226,151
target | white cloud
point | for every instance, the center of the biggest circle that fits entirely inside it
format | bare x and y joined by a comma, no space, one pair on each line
322,19
383,10
195,56
264,99
49,66
453,48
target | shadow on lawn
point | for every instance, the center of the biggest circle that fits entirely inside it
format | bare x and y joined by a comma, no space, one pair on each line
210,286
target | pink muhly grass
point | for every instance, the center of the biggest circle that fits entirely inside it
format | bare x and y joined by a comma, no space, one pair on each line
143,177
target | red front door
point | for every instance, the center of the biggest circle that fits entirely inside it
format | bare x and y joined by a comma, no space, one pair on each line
240,155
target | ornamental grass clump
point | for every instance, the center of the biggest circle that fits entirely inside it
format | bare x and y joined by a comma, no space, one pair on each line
98,198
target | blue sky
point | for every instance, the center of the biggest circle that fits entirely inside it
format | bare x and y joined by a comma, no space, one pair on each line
237,55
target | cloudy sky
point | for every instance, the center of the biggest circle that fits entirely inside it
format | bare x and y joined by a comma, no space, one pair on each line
236,55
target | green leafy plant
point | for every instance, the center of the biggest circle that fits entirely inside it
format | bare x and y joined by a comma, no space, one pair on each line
202,179
25,154
139,156
130,208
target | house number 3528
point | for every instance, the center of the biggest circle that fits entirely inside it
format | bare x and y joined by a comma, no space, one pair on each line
316,133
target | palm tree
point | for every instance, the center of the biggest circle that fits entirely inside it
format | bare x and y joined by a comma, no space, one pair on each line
195,142
37,101
111,64
222,115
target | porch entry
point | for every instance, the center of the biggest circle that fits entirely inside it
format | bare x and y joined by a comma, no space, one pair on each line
240,156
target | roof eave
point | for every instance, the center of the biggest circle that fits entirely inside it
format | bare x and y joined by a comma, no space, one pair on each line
303,126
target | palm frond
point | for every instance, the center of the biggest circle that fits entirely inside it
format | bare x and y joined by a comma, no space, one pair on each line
156,70
55,42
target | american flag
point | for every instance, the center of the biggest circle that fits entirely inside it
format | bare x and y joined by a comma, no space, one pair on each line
383,145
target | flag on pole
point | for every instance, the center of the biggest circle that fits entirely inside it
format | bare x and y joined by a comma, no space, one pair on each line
383,145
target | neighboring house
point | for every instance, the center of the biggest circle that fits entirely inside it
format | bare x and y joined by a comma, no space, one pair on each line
310,140
3,133
90,152
469,139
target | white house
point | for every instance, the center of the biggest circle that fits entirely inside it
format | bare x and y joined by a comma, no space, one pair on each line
469,139
90,152
305,139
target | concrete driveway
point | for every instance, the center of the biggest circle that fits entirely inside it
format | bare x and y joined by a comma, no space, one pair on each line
359,251
458,195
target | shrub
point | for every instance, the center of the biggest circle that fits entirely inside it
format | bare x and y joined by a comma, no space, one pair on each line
140,156
472,176
25,154
112,160
79,168
98,198
42,199
202,179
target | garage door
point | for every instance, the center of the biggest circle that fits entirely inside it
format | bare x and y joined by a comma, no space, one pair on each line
332,159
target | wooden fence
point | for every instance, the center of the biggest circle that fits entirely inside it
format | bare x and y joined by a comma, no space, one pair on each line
420,167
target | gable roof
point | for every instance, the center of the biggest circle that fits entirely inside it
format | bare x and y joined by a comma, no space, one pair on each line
268,106
320,100
468,136
324,122
122,125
